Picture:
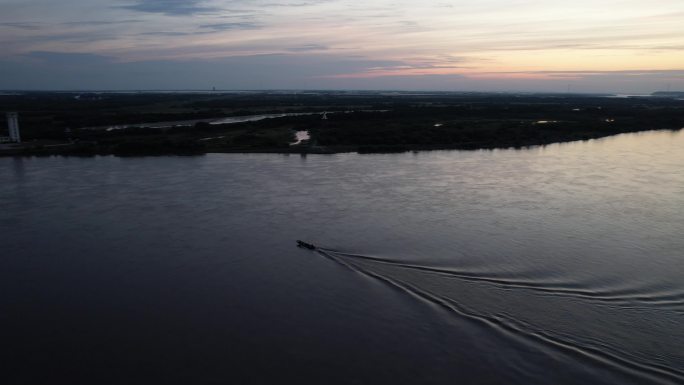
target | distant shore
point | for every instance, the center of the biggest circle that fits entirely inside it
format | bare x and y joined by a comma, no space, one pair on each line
182,124
75,150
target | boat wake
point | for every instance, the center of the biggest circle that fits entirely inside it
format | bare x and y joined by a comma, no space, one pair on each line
428,284
632,297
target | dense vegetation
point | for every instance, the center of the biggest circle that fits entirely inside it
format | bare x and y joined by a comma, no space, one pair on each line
68,123
493,125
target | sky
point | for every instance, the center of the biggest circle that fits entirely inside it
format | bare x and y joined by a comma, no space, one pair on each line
623,46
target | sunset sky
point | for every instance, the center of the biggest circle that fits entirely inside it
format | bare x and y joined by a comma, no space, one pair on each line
632,46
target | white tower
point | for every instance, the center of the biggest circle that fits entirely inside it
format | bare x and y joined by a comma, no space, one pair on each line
13,124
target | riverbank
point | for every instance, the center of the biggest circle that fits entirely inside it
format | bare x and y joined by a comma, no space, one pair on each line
74,149
374,123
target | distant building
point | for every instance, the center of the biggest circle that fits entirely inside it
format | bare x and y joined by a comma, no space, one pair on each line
13,125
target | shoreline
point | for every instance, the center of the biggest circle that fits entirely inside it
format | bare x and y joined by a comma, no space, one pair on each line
75,150
369,124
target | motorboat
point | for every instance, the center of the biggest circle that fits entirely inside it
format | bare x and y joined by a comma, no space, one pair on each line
305,245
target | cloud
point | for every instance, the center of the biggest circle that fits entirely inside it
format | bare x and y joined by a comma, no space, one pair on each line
450,65
100,22
65,59
307,48
623,74
24,26
230,26
302,4
51,70
70,38
339,43
167,33
205,29
171,7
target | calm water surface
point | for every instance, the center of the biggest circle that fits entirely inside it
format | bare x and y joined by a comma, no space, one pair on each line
560,264
214,121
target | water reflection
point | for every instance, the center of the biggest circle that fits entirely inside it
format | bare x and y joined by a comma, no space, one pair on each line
18,168
565,256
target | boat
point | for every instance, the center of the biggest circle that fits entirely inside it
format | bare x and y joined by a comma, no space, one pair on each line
305,245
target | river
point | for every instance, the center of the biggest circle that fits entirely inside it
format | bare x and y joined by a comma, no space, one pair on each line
559,264
212,121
